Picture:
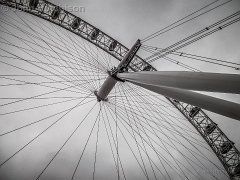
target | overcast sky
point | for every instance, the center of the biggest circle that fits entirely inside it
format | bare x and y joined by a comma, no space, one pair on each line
126,21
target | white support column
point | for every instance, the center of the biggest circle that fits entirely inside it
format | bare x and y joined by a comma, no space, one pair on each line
199,81
216,105
106,88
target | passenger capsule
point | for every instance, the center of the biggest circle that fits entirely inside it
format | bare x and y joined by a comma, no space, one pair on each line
194,111
236,171
176,101
76,23
225,147
33,4
95,34
112,45
147,68
210,128
56,13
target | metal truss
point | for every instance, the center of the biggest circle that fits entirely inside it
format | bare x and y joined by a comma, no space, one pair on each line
78,26
224,149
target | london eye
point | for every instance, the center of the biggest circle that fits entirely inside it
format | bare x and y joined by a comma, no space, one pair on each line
78,104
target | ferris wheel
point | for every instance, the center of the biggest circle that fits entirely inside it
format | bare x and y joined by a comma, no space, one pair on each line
78,104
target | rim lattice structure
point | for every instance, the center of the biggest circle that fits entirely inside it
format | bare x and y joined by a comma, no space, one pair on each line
223,148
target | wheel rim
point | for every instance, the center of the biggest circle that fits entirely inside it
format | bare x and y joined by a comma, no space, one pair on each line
92,76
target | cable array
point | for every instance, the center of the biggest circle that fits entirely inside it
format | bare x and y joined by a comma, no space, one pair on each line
219,62
196,36
188,18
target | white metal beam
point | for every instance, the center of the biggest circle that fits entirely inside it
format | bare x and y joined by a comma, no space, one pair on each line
199,81
219,106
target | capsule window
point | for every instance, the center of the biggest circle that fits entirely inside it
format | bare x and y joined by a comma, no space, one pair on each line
33,4
147,68
76,23
56,13
176,101
237,170
112,45
225,147
194,111
210,128
95,34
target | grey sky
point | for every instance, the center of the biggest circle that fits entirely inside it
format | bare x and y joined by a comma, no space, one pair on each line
126,21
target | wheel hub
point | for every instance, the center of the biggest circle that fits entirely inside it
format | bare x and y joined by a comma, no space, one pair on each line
112,79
